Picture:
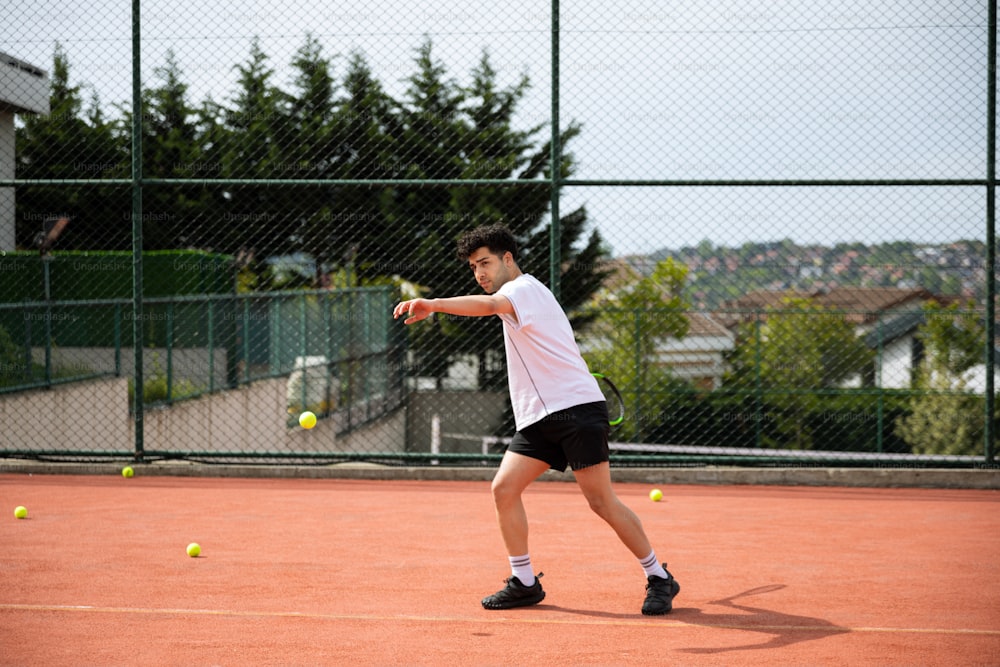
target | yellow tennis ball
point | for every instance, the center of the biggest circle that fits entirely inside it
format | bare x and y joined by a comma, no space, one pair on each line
656,495
21,512
127,471
307,419
194,550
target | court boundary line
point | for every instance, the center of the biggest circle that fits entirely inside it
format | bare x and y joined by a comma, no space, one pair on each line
657,623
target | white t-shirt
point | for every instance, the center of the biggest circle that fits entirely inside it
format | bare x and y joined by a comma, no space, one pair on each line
545,371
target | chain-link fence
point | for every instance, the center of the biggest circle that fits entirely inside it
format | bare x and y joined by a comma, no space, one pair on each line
771,225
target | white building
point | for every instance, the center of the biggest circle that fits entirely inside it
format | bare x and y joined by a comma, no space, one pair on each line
699,357
899,353
24,88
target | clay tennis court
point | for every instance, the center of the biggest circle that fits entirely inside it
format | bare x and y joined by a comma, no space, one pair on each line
334,571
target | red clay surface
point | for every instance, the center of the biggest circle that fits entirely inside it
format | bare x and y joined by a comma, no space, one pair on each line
334,572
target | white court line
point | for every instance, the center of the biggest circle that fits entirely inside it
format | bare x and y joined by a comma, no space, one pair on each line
658,623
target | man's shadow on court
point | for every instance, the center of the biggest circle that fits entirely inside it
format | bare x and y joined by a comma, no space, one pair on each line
784,629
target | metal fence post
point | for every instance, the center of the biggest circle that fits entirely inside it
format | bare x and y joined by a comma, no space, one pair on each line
758,384
47,280
211,345
555,254
137,228
170,351
881,392
118,339
991,282
639,376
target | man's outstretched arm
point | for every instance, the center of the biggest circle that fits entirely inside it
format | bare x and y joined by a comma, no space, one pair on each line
473,305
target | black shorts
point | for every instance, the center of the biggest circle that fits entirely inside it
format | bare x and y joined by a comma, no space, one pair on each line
576,436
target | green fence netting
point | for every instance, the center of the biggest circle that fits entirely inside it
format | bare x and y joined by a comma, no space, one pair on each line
772,226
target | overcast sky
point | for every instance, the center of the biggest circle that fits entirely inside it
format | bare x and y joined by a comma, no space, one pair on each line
683,90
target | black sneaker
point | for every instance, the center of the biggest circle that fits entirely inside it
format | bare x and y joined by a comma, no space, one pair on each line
660,594
515,594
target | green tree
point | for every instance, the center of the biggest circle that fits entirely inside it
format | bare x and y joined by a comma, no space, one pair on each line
799,350
212,138
12,361
945,417
171,149
310,144
348,230
313,140
255,216
449,131
439,129
953,336
584,269
72,142
427,145
623,341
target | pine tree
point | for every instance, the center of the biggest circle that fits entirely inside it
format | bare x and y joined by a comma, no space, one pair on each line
450,131
353,223
257,129
310,148
170,149
71,142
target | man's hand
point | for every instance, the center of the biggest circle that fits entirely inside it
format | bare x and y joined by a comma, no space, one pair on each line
414,309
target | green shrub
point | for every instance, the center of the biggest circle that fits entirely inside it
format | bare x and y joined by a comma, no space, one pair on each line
11,360
155,389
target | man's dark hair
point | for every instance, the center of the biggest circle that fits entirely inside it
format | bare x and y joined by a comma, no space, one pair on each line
496,237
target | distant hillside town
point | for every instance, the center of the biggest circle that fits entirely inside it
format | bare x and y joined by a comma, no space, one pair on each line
718,274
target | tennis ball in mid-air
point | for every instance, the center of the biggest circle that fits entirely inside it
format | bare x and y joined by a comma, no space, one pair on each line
127,471
656,495
194,550
307,419
21,512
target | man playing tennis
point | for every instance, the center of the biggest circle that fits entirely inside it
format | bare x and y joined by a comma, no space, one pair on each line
559,411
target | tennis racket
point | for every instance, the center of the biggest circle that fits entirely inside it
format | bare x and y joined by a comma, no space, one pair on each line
616,406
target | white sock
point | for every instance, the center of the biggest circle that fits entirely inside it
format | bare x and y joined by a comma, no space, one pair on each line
652,567
520,567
